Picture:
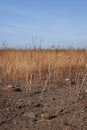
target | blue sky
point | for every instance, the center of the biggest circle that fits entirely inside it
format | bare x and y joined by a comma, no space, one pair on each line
58,22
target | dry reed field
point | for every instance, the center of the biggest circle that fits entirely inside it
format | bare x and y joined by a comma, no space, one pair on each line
39,63
43,89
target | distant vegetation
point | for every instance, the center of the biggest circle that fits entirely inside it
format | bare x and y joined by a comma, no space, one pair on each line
21,64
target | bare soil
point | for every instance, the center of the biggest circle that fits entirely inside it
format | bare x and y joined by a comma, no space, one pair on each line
56,109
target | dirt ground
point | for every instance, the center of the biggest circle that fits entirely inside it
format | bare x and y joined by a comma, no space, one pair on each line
54,110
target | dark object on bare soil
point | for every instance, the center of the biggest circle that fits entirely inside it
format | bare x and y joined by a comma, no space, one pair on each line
35,93
37,105
65,123
34,120
17,89
61,111
73,82
50,117
12,88
53,99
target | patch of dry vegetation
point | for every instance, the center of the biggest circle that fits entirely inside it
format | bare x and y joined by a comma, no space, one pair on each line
21,64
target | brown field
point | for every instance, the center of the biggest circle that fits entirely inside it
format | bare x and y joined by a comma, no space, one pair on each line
19,63
43,89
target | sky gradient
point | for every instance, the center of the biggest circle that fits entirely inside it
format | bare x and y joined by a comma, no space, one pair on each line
45,22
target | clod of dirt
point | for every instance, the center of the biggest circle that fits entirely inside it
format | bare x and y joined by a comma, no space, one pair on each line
50,117
65,123
20,106
73,82
37,105
9,86
34,119
36,92
30,115
61,111
14,122
12,88
53,99
17,89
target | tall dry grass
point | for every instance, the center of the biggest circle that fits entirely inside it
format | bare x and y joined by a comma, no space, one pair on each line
22,64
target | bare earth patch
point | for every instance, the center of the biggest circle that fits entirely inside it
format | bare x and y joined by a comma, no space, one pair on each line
56,110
